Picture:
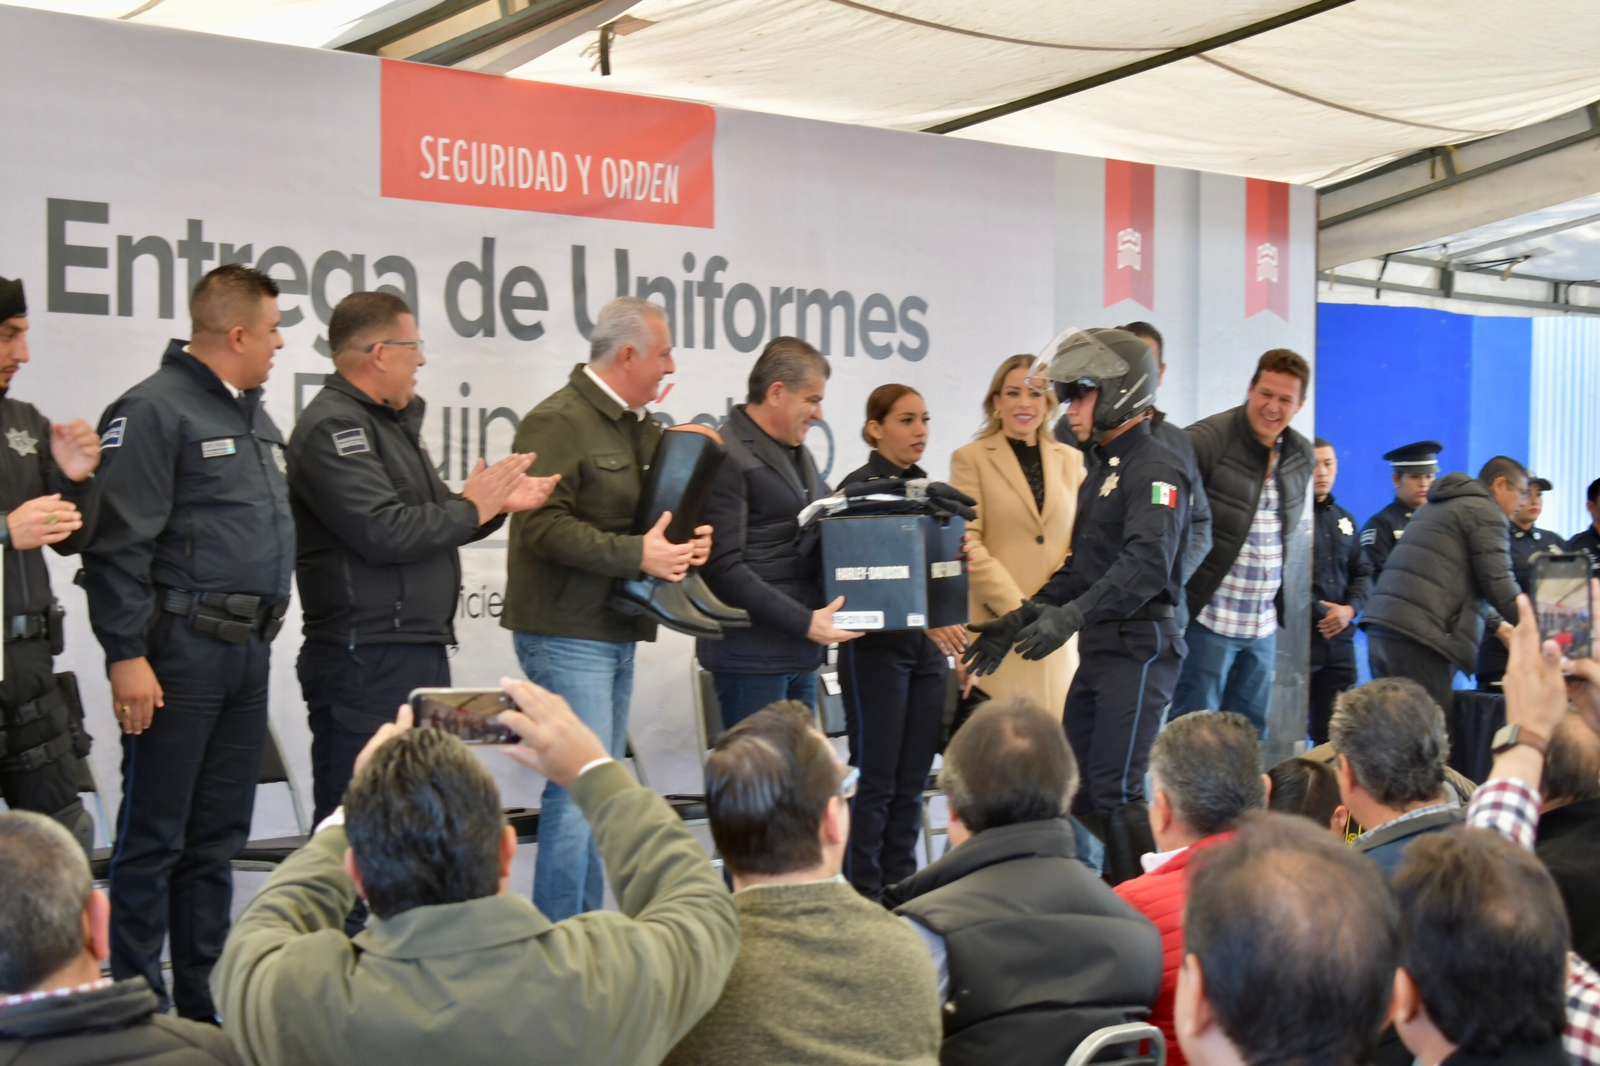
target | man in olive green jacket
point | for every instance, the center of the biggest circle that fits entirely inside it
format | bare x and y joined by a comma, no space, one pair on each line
452,969
564,558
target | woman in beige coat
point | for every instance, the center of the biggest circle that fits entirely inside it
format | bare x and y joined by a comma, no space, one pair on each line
1026,484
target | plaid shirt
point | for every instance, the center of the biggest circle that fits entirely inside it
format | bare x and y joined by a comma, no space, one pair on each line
1509,807
1243,605
54,993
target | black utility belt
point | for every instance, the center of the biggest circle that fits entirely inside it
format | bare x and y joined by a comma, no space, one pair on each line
229,616
41,626
1152,612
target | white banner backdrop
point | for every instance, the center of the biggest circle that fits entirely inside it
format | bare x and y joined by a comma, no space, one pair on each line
143,157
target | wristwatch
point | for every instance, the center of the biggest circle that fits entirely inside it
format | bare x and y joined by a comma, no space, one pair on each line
1510,736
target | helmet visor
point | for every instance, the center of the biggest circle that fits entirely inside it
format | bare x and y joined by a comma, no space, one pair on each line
1078,360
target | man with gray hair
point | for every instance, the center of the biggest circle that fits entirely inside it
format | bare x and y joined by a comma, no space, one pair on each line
1389,737
55,1007
758,564
1205,773
997,908
565,558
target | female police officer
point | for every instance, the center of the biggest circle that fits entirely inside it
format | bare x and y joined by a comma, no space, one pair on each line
894,682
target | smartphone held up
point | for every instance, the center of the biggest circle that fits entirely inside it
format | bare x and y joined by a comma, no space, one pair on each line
469,713
1561,600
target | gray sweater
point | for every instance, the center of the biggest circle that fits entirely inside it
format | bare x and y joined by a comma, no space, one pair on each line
823,978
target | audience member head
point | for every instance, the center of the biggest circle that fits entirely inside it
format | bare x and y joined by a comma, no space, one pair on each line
1205,774
425,826
1392,747
1310,789
787,386
376,346
630,348
13,330
234,324
897,424
1008,763
54,924
776,798
1325,470
1018,404
1290,944
1483,948
1507,481
1277,392
1572,767
1593,498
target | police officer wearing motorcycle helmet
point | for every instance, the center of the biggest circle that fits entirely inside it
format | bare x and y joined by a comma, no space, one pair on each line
1118,590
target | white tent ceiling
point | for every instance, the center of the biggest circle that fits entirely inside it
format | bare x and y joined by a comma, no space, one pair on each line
1328,89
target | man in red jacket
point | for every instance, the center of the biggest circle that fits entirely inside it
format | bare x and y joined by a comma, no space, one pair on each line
1205,771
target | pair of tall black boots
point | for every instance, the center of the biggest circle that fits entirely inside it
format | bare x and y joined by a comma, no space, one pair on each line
679,480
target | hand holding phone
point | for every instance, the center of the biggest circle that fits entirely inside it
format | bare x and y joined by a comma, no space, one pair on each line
1562,603
469,713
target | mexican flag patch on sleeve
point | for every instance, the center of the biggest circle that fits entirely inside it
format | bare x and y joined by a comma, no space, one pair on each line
1164,494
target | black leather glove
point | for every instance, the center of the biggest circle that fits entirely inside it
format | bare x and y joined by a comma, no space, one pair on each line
985,654
1052,628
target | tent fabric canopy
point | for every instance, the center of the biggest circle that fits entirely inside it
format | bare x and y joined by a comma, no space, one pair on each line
1331,89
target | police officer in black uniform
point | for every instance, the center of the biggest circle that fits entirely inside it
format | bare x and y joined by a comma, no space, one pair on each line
378,531
1120,587
1526,539
1587,540
47,496
188,582
1414,468
1341,581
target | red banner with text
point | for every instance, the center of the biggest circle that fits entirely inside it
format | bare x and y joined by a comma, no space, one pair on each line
456,137
1266,248
1130,233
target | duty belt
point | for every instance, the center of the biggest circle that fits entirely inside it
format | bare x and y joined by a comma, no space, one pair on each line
229,616
27,626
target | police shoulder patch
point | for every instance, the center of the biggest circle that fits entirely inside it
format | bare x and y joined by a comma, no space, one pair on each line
351,441
112,437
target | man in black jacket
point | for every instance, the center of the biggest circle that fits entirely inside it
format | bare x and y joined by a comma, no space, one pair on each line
996,909
188,581
55,1008
1256,469
758,562
1340,585
378,532
47,496
1449,575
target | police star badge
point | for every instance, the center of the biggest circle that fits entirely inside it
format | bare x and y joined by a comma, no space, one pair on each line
1110,485
1346,526
22,442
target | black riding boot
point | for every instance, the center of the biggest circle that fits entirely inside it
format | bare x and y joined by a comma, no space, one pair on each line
679,480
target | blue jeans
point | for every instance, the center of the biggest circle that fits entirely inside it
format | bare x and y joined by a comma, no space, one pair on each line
595,677
1226,674
741,695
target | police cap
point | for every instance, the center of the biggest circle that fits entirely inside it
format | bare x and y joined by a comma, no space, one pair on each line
1540,483
1419,458
12,303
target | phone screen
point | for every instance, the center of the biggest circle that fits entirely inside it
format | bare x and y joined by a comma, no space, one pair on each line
468,713
1561,598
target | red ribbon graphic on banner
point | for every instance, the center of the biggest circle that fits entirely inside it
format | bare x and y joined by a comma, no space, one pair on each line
1266,248
1130,233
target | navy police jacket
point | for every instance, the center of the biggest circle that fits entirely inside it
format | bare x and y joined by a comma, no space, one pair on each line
1130,534
193,497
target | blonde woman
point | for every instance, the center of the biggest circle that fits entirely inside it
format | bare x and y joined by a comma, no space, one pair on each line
1026,484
